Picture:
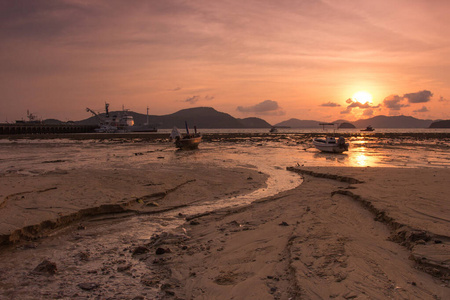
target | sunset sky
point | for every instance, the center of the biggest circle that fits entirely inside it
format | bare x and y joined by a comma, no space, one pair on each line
275,60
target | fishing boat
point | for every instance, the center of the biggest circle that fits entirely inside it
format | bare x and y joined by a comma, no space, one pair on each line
331,145
368,128
187,141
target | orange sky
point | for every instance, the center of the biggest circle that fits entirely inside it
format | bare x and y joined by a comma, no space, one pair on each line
271,59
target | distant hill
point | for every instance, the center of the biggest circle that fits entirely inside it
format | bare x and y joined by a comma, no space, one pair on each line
346,125
52,122
208,117
393,122
296,123
254,123
340,121
202,117
440,124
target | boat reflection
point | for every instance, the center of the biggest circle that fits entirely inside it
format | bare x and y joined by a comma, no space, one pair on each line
340,157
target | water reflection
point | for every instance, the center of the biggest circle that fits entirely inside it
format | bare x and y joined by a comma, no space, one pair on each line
332,157
361,160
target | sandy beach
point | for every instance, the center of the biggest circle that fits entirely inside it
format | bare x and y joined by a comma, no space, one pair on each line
31,206
346,233
128,228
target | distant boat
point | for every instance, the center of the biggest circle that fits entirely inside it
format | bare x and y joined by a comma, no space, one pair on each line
331,145
111,124
120,123
188,141
368,128
273,130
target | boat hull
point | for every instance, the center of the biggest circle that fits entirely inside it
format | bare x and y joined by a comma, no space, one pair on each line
329,146
188,143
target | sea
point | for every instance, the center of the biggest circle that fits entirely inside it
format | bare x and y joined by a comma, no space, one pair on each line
405,148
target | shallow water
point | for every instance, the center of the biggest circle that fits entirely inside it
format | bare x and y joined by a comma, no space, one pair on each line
108,241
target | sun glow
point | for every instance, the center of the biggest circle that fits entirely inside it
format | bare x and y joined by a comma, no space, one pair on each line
362,97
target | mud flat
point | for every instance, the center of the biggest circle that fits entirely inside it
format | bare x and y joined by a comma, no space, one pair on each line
32,206
346,233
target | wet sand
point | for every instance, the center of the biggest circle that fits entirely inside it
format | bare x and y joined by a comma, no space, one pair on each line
33,206
346,233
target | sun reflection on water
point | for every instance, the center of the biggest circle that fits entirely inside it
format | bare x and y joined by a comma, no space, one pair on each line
361,160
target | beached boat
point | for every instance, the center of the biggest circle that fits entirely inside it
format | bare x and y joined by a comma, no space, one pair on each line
331,145
368,128
187,141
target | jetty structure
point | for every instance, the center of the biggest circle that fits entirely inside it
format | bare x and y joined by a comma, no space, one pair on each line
36,126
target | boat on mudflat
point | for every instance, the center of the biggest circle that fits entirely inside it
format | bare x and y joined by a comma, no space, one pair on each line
331,145
187,141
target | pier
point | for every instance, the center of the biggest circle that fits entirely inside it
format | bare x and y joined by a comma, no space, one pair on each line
24,128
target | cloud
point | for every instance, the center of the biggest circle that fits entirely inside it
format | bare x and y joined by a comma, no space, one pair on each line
442,99
196,98
355,104
330,104
396,102
359,105
267,107
393,102
193,99
176,89
368,112
346,111
419,97
423,109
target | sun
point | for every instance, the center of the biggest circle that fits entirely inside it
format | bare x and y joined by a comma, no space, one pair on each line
362,97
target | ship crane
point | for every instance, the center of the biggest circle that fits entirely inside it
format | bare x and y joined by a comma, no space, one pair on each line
101,120
106,124
95,115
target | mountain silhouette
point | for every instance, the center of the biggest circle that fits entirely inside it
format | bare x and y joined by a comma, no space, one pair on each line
440,124
296,123
393,122
208,117
202,117
376,122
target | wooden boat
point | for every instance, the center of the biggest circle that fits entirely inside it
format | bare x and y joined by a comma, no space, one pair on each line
331,145
187,141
